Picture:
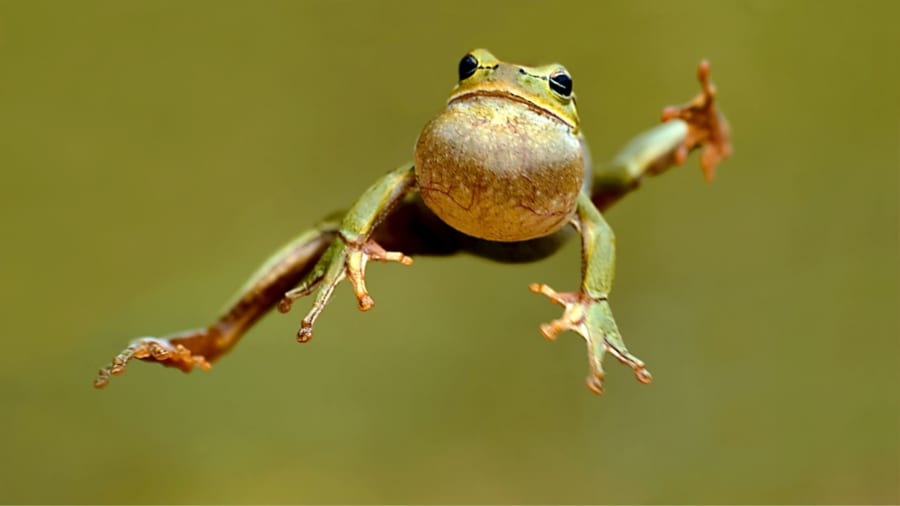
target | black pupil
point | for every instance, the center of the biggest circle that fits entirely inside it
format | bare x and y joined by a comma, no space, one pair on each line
467,66
562,84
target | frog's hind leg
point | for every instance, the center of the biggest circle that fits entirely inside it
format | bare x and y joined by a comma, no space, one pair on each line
200,347
388,215
587,312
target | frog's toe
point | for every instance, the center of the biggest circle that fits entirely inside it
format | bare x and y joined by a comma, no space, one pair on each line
305,332
601,340
343,260
707,126
614,345
592,319
155,349
356,268
573,315
594,382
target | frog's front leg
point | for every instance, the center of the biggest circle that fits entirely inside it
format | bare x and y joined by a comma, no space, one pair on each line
352,249
587,311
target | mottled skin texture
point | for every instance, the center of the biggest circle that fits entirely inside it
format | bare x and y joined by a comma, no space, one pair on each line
499,173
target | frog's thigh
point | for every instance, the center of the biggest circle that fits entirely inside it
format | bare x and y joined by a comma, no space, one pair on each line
531,250
413,228
648,153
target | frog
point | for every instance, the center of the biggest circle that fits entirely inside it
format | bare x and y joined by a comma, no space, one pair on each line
503,172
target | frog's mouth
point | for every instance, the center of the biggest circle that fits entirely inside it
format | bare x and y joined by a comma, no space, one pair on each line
508,95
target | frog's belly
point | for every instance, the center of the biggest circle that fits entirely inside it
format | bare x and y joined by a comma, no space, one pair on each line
498,172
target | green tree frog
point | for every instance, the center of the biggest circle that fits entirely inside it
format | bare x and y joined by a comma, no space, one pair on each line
502,172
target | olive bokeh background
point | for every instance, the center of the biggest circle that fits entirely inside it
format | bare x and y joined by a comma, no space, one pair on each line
154,152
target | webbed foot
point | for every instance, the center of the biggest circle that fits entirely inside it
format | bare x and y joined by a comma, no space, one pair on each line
593,320
163,350
342,260
707,127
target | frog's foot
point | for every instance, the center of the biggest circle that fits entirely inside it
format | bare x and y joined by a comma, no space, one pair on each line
707,127
164,351
592,319
342,260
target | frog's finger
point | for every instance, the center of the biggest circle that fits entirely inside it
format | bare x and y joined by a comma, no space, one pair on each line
306,287
573,314
333,264
356,268
348,255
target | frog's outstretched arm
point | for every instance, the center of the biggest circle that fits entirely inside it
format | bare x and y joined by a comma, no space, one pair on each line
697,124
309,260
353,248
587,311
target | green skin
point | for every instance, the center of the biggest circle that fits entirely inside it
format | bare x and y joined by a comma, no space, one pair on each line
392,214
588,314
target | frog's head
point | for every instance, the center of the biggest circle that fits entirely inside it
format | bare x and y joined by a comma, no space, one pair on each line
547,88
505,160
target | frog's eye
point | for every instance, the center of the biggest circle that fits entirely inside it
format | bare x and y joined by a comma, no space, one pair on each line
467,66
561,83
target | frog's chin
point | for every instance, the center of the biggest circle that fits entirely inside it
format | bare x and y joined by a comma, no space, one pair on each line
506,94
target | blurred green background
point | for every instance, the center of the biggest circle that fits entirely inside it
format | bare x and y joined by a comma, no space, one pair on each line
154,152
